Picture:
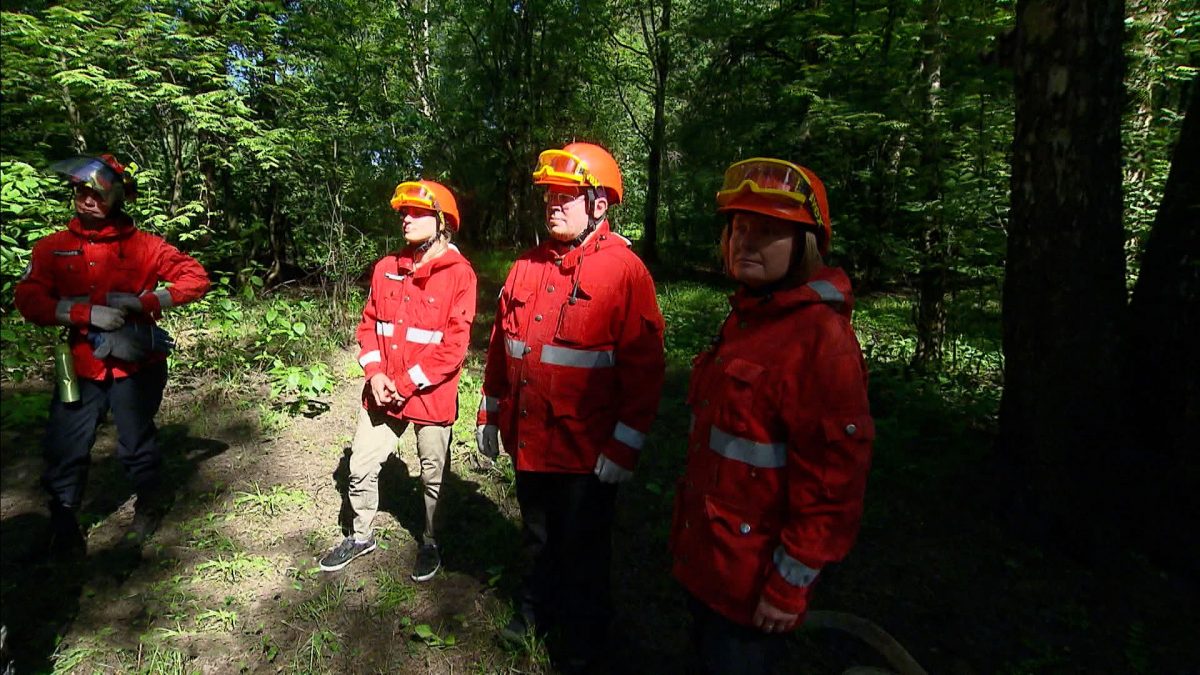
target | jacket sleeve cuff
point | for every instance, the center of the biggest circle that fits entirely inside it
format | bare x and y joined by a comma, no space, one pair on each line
411,381
489,410
81,314
788,582
625,447
371,362
156,302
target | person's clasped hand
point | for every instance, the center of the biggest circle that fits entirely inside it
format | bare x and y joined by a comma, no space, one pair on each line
106,318
126,302
384,390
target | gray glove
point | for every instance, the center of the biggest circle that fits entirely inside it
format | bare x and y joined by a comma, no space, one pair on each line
128,302
609,471
487,440
106,318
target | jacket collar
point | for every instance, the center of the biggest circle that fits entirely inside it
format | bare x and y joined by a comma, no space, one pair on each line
829,286
600,239
116,226
404,261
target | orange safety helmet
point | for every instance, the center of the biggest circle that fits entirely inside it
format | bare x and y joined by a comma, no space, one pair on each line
777,188
581,164
427,194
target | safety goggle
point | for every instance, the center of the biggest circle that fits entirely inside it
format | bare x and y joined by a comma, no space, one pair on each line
93,173
769,177
414,194
562,165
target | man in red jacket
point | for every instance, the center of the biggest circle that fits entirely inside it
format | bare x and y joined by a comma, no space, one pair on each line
101,279
574,372
413,339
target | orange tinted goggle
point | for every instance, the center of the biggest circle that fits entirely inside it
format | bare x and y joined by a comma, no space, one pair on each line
563,166
769,177
414,194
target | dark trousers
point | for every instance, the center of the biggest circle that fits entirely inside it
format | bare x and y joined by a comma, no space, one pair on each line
71,432
566,534
723,647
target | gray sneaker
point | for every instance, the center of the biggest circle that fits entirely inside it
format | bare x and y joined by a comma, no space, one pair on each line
429,561
341,555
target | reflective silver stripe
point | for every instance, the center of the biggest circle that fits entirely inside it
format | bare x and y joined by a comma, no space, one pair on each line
577,358
62,311
793,571
489,404
385,328
629,436
516,348
370,357
762,455
827,291
423,337
165,300
418,377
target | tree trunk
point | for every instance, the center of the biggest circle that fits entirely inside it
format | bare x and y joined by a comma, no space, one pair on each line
931,300
662,70
1161,362
1064,289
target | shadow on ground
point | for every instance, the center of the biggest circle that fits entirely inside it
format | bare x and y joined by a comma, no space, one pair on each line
41,592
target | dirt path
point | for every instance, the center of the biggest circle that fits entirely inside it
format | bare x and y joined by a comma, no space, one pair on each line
229,583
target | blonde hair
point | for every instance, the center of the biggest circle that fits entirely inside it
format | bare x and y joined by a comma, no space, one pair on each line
805,261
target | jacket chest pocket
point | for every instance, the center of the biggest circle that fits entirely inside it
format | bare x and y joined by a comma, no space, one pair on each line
70,273
738,382
127,276
584,323
428,311
516,311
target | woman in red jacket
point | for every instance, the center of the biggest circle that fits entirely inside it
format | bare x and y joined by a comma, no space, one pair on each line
101,279
413,340
781,431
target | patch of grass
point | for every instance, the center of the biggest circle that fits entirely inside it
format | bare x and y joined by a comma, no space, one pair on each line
25,410
217,620
272,502
693,312
203,534
233,568
66,660
425,633
318,647
393,592
329,599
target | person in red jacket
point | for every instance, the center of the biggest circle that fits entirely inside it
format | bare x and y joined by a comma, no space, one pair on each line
781,432
574,372
412,344
101,279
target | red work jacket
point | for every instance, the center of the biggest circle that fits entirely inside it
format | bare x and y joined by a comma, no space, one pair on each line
81,266
778,450
415,329
575,365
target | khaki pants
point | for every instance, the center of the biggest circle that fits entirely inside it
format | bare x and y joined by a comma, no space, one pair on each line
374,441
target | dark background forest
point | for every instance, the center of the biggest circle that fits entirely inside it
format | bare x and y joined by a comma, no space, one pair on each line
1014,191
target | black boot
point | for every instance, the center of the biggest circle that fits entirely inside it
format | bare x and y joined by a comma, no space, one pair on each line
66,539
148,513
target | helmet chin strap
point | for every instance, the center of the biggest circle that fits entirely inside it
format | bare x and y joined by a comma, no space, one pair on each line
441,231
590,203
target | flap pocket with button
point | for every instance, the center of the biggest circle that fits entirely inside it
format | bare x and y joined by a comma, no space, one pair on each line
742,544
515,310
584,324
